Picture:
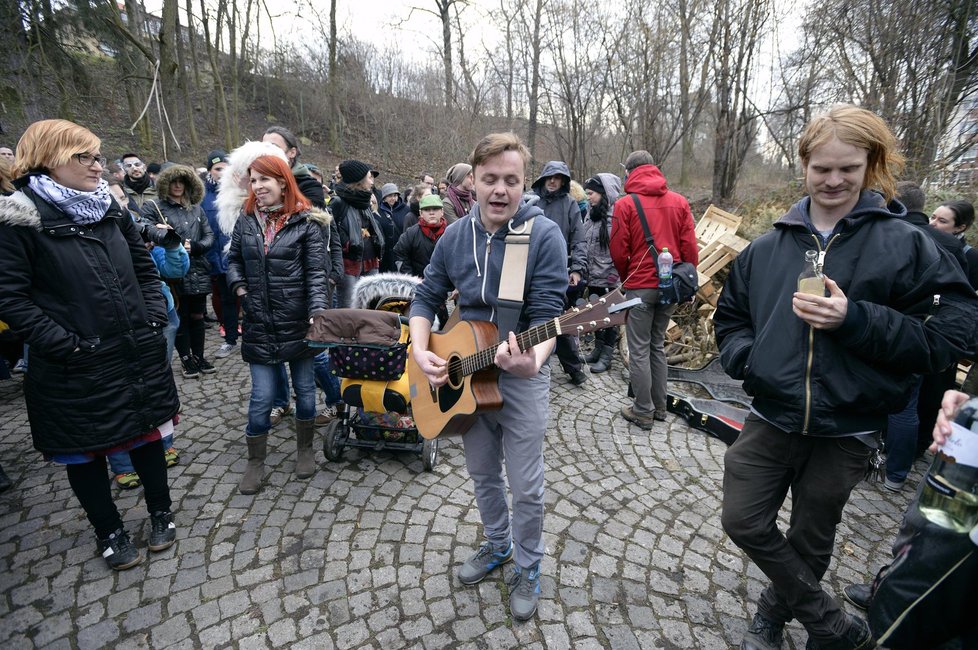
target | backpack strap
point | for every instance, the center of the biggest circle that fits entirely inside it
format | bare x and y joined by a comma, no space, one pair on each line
649,241
512,279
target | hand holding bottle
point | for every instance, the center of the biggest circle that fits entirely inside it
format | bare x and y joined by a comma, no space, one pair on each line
953,399
822,313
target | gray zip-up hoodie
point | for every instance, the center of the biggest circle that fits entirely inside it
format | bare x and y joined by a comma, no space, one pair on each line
469,259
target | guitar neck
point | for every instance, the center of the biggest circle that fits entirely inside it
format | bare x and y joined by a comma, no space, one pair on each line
524,340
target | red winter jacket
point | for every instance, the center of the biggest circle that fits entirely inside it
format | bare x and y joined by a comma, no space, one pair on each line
669,219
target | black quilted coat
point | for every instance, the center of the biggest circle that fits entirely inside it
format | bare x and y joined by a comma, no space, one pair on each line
286,284
190,223
88,302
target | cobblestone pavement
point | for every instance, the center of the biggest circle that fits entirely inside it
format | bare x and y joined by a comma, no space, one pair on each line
363,555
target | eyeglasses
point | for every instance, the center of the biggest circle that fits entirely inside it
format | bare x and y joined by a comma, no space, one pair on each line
136,163
88,160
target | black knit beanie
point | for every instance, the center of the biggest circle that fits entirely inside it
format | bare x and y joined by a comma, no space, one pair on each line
353,171
594,184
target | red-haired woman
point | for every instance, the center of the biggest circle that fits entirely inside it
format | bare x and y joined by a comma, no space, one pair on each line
278,266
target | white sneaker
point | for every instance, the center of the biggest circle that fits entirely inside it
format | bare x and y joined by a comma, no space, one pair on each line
279,412
225,350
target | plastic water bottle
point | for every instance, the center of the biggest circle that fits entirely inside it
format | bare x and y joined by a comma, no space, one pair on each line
665,270
950,494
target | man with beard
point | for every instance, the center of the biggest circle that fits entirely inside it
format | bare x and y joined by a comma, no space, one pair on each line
137,183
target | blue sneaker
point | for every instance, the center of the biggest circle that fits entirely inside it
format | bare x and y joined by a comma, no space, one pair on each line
524,592
477,567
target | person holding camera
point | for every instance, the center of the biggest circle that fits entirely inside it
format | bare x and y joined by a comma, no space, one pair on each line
181,192
77,282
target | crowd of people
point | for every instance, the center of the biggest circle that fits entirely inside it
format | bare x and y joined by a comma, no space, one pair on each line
274,242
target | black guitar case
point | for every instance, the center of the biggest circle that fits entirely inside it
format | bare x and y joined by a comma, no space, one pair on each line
714,380
721,420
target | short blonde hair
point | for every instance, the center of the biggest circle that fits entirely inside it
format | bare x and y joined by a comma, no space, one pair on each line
577,191
497,143
863,129
6,176
51,143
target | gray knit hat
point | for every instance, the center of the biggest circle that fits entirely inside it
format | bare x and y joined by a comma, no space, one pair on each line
388,189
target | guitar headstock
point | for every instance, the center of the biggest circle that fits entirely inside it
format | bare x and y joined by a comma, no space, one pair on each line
597,313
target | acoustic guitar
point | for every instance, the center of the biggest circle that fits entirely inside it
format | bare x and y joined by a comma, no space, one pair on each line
470,349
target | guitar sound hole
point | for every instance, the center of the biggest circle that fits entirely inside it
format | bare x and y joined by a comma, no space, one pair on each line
455,376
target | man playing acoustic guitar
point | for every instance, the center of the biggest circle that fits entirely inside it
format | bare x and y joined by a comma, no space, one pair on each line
469,257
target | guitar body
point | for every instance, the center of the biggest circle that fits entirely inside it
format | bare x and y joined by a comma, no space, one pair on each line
469,347
454,407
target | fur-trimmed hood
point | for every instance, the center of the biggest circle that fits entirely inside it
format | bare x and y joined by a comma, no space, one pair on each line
234,181
194,187
373,291
18,210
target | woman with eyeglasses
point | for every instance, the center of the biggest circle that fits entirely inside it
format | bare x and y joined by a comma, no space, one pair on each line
78,284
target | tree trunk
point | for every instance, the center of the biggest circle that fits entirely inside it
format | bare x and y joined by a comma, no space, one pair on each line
534,90
218,82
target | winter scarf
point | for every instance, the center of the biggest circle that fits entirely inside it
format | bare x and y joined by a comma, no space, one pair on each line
84,208
356,198
435,231
461,200
271,221
599,214
138,186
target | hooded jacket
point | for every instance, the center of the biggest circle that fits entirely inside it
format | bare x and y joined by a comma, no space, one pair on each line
234,191
847,380
470,259
215,255
601,271
562,209
190,223
88,302
670,222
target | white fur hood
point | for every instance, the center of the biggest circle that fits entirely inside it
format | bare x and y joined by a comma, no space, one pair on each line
18,210
234,182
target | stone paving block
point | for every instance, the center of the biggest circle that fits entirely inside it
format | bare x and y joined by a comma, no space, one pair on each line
100,635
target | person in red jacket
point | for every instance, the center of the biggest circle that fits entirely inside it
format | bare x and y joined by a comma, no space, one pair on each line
671,224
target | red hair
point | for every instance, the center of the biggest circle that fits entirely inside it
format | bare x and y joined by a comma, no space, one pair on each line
274,167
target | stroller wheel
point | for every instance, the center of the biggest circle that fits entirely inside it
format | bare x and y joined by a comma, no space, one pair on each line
429,454
332,446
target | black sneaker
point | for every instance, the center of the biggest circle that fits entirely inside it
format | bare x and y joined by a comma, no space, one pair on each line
859,595
190,367
205,366
856,637
118,551
763,634
162,531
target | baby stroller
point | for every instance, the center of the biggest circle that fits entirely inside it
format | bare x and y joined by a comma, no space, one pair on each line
369,346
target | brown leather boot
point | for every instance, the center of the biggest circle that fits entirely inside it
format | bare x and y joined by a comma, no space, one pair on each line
305,464
257,450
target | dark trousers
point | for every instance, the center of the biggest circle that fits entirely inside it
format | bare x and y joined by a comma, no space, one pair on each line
190,335
759,469
91,484
225,307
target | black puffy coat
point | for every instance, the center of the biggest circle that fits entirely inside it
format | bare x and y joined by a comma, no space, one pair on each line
190,223
88,302
286,284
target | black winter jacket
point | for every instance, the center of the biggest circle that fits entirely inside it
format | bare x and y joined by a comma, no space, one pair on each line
845,380
88,302
190,224
413,251
286,285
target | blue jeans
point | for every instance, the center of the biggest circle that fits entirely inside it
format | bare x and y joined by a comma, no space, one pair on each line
901,438
325,378
282,392
265,383
122,464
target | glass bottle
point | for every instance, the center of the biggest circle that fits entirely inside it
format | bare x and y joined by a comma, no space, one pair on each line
810,279
950,494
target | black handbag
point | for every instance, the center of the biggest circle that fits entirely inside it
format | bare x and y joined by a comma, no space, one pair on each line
685,279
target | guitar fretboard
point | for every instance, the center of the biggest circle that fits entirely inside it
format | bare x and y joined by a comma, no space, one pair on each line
484,358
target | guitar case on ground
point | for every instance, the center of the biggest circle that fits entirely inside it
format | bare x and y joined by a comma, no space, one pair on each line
721,420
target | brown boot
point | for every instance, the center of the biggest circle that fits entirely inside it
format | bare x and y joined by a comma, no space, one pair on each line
257,450
305,464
